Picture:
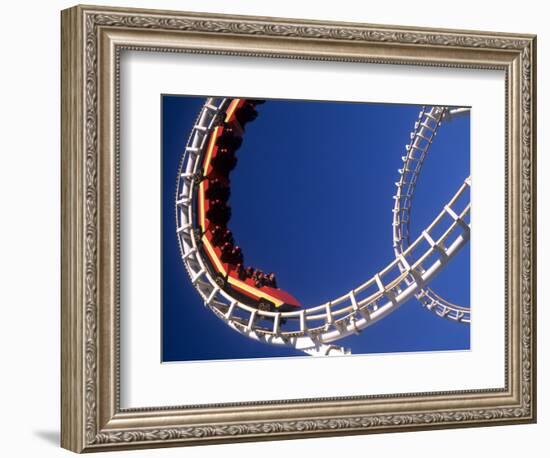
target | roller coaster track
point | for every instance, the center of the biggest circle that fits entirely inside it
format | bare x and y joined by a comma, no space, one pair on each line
422,136
313,329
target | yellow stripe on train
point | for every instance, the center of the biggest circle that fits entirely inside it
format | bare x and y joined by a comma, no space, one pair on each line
233,281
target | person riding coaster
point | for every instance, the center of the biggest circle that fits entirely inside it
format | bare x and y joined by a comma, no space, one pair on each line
226,260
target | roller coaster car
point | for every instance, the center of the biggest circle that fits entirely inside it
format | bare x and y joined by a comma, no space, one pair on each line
218,190
220,235
255,101
245,114
219,213
224,161
225,259
229,139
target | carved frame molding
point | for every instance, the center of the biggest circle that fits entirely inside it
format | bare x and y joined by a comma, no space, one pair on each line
92,39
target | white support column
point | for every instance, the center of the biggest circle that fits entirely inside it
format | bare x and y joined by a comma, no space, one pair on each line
303,322
229,312
198,275
328,311
251,320
276,323
212,295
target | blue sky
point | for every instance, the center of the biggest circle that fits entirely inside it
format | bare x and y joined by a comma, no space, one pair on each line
311,200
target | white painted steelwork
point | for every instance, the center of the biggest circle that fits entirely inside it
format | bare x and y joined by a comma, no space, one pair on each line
312,329
422,136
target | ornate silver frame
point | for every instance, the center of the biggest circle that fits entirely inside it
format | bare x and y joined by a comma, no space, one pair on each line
92,38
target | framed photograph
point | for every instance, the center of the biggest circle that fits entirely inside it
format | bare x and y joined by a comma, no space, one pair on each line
277,228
